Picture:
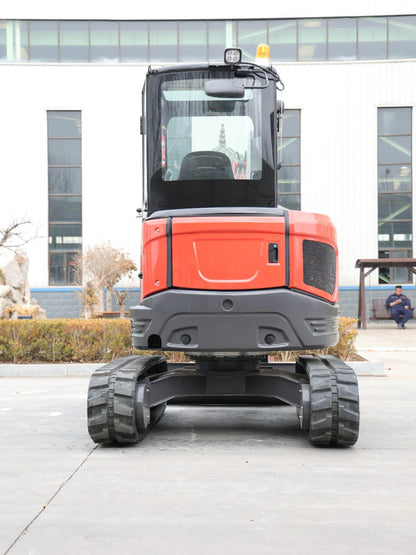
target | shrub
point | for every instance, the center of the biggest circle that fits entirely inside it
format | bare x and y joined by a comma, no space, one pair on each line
64,340
81,340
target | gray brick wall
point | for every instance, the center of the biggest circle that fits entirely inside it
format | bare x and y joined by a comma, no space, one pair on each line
66,303
348,298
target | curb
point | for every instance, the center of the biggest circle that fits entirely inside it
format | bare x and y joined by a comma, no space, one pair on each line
368,368
47,370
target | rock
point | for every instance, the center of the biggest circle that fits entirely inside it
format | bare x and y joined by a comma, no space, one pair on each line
17,291
15,273
4,305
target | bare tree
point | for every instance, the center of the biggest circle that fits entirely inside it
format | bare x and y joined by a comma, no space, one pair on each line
103,266
16,234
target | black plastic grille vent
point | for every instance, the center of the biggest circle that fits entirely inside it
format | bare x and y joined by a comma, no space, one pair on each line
319,265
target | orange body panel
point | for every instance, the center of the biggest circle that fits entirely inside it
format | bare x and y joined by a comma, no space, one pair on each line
314,227
154,257
231,253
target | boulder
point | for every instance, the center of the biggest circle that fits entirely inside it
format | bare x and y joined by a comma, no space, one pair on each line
16,292
15,272
4,305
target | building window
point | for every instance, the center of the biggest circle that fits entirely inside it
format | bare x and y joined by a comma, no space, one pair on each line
134,45
288,177
250,34
43,41
342,38
395,190
221,34
163,39
283,39
303,40
104,41
312,40
65,194
372,38
402,36
193,43
74,41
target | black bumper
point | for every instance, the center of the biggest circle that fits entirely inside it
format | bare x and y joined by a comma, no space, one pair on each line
233,322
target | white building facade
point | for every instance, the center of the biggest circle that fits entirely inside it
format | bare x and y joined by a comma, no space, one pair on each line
70,144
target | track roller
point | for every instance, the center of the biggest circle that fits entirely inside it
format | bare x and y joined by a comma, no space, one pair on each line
329,410
118,408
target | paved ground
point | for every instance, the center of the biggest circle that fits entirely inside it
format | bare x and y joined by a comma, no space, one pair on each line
212,480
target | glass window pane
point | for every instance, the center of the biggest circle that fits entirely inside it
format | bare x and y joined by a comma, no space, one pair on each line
65,236
14,41
394,150
43,41
251,34
292,202
61,268
64,124
65,209
289,179
134,41
73,41
312,39
70,267
395,234
342,38
65,181
291,123
3,40
104,41
394,121
282,40
394,206
372,38
221,35
163,41
395,275
57,269
192,41
290,150
64,152
392,178
402,36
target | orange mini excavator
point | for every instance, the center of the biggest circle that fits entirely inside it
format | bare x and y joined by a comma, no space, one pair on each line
227,276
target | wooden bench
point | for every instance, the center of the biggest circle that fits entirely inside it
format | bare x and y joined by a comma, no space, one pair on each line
379,311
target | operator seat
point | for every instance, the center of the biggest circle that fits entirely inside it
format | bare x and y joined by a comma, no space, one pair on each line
205,164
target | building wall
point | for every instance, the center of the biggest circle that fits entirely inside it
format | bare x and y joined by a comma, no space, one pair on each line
338,103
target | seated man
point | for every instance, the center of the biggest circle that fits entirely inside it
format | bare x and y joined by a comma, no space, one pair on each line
399,306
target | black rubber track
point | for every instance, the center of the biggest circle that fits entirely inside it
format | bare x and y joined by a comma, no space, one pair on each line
334,401
112,399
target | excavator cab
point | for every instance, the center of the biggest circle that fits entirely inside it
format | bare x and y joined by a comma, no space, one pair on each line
227,276
212,138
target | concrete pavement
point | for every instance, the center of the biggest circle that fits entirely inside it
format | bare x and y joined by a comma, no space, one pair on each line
212,480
